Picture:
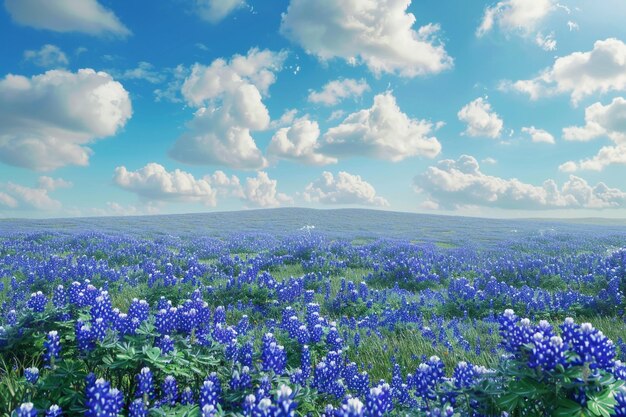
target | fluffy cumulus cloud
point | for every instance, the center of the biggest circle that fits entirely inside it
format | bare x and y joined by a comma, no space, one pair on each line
538,135
607,155
454,184
86,16
336,91
47,120
214,11
344,188
521,16
580,74
383,131
299,142
481,120
228,97
378,34
600,121
18,197
48,56
154,183
261,191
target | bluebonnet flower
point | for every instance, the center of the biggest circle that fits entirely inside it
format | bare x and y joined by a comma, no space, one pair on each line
52,345
169,390
220,315
102,400
209,392
84,338
446,412
166,344
54,411
99,328
245,353
208,411
37,302
620,370
297,378
333,339
285,406
241,380
620,407
547,352
137,408
243,326
464,375
145,384
265,386
593,347
31,374
379,401
187,397
26,410
352,407
12,318
305,362
59,297
273,355
249,405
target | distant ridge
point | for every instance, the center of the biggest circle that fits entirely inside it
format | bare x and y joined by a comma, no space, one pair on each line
340,222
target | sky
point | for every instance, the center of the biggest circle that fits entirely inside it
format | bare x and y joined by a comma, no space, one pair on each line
514,108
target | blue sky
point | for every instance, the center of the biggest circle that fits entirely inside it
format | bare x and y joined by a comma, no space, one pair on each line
500,109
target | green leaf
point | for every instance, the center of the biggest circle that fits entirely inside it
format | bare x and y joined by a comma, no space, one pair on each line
509,401
602,405
568,408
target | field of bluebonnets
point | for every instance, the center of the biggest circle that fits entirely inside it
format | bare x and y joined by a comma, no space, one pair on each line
309,313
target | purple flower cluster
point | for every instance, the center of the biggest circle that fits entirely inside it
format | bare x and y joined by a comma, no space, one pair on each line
102,400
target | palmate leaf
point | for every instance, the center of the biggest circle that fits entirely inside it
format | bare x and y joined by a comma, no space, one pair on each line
602,404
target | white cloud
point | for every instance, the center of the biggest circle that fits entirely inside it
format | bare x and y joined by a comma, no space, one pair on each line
176,77
460,183
51,184
547,43
345,188
538,135
607,155
285,119
49,56
378,34
229,100
600,121
144,71
261,191
15,196
381,132
568,167
154,183
299,142
480,119
214,11
47,120
572,26
86,16
489,161
335,91
580,74
7,201
521,16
